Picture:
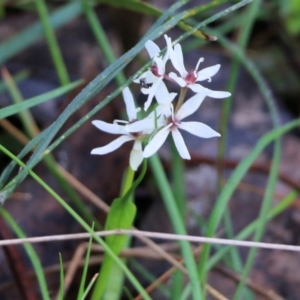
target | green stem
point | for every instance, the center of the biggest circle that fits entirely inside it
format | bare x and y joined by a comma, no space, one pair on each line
27,120
38,268
262,219
243,38
57,57
284,203
101,37
129,176
178,181
181,98
177,223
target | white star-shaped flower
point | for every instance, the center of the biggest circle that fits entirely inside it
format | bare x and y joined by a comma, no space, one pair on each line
157,117
174,122
189,79
151,79
136,154
164,100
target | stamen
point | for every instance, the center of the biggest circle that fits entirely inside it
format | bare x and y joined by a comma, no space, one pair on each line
120,122
172,112
201,59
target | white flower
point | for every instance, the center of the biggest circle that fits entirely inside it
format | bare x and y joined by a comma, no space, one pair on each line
151,79
156,118
189,79
164,100
136,154
173,123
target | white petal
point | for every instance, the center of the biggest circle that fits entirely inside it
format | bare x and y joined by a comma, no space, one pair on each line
219,94
136,155
129,102
158,118
152,92
157,141
190,106
176,61
177,79
162,94
115,144
152,48
198,129
207,73
199,89
179,56
166,57
164,110
160,66
180,144
108,127
142,125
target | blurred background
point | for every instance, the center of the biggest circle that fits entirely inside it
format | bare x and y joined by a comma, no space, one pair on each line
26,58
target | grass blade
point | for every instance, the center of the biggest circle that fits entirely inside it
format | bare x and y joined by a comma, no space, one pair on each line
80,221
28,36
16,108
80,294
56,55
62,279
30,252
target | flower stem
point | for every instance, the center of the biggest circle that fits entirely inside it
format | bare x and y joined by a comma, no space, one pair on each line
181,98
177,222
128,180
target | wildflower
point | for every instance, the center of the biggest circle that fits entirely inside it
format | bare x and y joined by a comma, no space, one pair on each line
157,117
136,154
174,122
152,78
189,79
164,100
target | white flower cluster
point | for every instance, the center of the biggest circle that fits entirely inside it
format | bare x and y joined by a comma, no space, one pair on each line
164,119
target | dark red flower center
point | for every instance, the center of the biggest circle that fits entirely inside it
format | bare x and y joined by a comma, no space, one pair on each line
190,78
172,120
154,70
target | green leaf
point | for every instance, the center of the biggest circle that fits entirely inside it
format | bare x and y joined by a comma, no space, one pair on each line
87,290
121,215
25,38
134,5
30,252
80,294
292,19
52,42
62,280
17,77
16,108
150,10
